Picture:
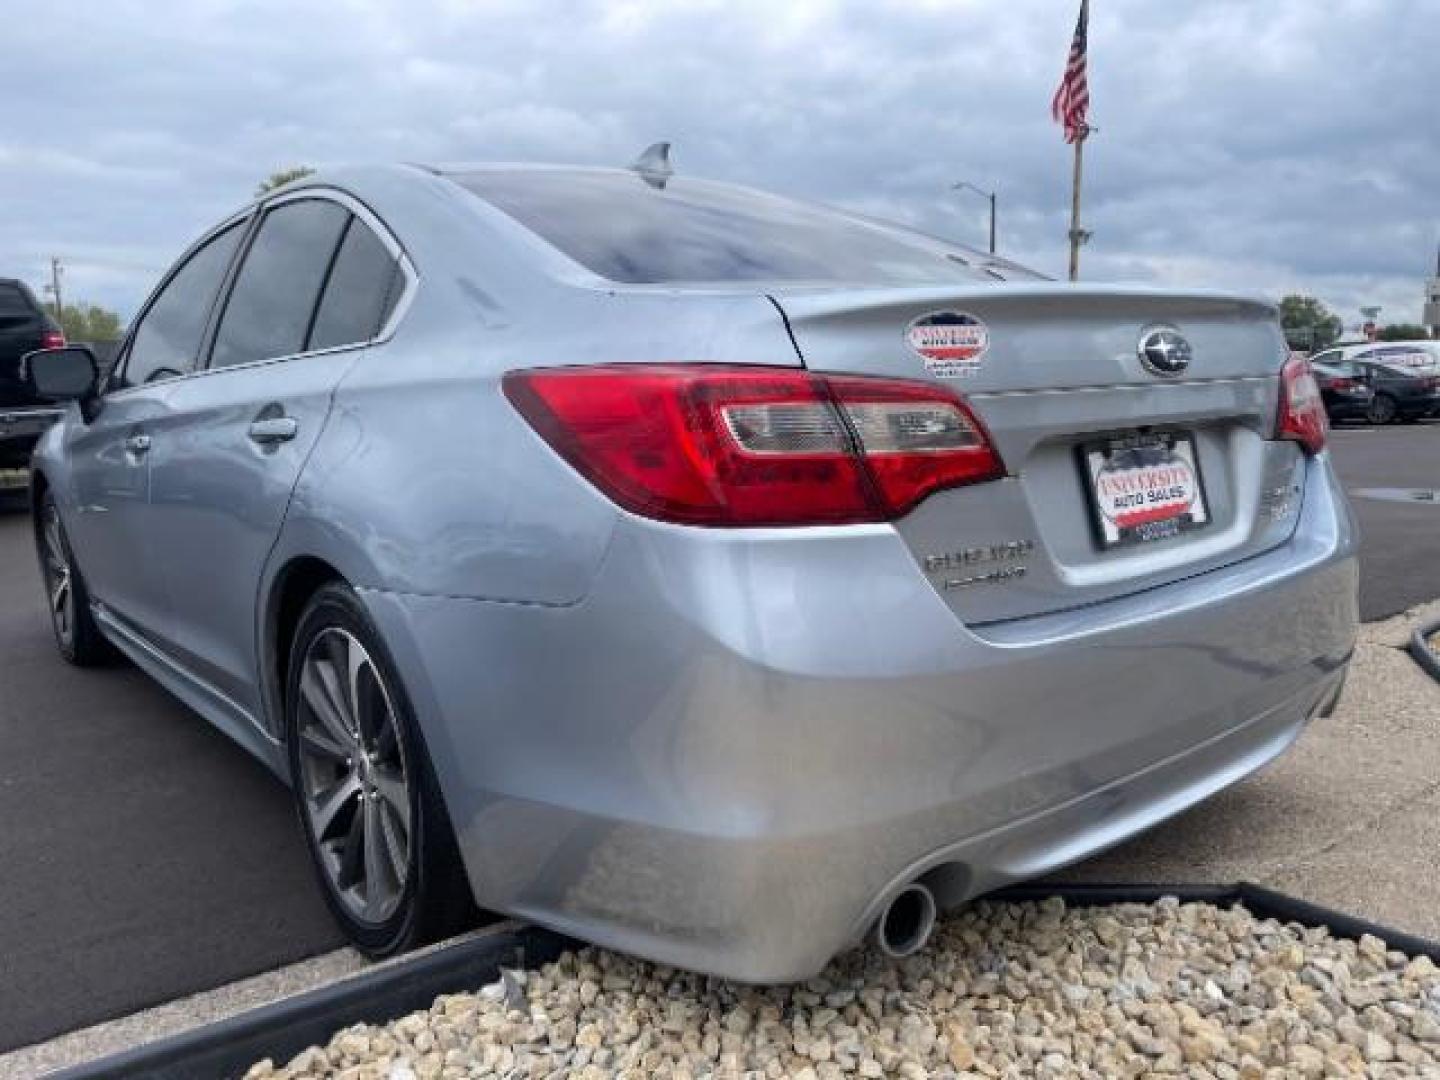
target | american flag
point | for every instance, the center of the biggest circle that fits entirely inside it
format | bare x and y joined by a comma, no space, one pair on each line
1072,99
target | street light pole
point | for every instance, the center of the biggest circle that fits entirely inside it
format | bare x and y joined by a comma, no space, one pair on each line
965,185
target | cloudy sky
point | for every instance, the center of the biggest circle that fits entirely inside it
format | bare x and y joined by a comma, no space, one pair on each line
1270,145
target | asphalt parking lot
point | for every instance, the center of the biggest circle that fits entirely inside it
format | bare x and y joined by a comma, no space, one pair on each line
145,857
1401,567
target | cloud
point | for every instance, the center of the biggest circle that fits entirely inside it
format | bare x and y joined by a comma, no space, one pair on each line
1276,146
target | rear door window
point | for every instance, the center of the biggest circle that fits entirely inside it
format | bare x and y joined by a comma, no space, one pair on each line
270,308
167,339
364,285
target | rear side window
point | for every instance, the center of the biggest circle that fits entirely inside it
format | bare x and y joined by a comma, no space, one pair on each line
364,285
271,305
628,230
167,340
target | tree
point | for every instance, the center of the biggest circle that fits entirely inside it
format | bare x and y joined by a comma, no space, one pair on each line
1403,332
89,322
1308,323
281,178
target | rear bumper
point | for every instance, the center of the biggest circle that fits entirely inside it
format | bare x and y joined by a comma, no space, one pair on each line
732,751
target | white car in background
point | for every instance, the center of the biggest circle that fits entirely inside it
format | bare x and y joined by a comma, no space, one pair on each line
1402,354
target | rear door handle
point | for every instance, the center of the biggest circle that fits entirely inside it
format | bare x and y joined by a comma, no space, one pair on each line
274,429
138,445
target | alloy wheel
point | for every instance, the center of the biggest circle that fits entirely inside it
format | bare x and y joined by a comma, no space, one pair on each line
59,586
355,784
1382,409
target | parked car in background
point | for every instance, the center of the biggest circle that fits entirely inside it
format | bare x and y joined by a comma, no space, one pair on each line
24,327
711,575
1403,377
1401,354
1401,393
1407,354
1345,390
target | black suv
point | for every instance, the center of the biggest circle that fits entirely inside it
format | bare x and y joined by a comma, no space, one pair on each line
24,327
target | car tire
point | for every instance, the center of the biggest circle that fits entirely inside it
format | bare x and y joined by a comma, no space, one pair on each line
1382,409
374,822
68,600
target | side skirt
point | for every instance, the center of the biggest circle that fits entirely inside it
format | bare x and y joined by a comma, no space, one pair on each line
212,704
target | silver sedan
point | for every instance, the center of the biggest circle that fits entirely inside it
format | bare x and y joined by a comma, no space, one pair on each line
709,575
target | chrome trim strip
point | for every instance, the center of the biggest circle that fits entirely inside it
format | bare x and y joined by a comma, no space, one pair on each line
361,211
1180,385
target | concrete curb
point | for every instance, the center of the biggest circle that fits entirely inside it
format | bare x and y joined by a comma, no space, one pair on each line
283,1029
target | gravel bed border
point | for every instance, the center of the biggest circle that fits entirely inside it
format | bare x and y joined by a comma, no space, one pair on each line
390,990
286,1027
1425,654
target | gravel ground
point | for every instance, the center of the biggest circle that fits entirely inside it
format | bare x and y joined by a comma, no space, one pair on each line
1003,990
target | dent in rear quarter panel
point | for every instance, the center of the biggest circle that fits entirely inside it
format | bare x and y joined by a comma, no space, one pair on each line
432,484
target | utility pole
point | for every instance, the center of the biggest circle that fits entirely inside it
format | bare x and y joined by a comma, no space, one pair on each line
1078,235
55,271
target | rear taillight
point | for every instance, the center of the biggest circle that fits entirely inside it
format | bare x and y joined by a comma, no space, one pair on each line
1339,384
709,445
1302,410
52,339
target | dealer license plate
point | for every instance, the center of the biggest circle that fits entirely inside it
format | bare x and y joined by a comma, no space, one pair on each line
1145,487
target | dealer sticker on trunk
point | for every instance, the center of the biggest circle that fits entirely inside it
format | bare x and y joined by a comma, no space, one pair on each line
1145,487
951,343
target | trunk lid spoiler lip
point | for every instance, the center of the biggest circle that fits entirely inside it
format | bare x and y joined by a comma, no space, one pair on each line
804,301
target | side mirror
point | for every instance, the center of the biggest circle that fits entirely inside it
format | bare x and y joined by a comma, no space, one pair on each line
69,373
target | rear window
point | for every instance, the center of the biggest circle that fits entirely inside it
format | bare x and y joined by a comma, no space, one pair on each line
623,228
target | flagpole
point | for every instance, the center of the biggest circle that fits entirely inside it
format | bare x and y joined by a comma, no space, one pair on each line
1077,236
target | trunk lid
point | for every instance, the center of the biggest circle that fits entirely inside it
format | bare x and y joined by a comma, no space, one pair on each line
1055,373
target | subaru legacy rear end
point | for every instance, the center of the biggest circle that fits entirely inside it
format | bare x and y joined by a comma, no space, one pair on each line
924,574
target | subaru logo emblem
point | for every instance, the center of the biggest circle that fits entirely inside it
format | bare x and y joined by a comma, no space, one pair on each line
1164,351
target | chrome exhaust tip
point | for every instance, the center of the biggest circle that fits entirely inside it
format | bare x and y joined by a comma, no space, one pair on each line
905,924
